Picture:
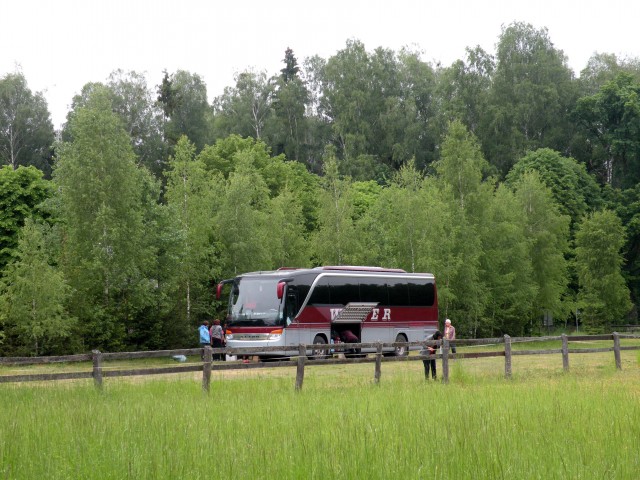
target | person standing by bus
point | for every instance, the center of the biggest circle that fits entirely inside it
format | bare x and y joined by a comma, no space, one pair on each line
450,334
217,338
430,363
205,337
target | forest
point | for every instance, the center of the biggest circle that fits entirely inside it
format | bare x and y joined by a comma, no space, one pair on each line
510,177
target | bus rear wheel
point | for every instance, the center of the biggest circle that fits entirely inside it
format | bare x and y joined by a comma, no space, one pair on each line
402,351
319,353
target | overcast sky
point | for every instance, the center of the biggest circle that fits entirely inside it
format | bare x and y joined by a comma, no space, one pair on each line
62,44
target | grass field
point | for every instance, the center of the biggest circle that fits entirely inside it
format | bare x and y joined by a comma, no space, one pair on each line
543,423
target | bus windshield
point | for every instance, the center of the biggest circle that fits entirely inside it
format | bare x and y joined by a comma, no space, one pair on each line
255,302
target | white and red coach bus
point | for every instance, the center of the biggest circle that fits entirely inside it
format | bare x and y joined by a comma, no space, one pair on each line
293,306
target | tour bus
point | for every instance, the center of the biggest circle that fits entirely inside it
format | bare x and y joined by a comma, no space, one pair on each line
292,306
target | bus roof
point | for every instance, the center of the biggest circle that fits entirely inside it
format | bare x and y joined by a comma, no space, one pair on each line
362,269
339,269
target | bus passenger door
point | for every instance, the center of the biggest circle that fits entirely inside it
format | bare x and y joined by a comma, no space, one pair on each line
293,332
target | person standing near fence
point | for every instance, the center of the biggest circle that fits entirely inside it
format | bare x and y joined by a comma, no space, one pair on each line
450,334
217,338
205,337
430,364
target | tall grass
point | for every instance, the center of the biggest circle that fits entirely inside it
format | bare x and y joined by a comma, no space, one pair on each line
340,426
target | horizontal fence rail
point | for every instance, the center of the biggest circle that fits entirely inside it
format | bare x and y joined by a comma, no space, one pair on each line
299,354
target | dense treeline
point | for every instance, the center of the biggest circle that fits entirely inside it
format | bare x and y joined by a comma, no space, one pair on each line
514,182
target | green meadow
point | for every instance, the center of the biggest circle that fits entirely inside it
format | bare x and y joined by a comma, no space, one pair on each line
543,423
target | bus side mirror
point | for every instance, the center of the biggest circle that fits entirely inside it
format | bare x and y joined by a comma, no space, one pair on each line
219,291
280,290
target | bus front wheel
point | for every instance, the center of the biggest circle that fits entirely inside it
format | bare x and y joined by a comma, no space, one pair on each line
319,353
401,351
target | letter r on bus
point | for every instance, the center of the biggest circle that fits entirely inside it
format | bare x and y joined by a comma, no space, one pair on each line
387,314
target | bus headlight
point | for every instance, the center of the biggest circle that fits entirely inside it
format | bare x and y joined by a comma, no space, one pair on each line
228,335
275,334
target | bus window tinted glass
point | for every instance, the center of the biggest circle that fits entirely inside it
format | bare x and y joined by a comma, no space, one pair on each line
320,294
398,293
421,293
303,291
374,290
303,284
344,293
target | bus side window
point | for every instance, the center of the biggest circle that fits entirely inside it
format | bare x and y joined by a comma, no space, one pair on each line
421,293
344,293
320,293
374,290
398,293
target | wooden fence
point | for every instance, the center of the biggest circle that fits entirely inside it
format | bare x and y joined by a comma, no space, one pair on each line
300,360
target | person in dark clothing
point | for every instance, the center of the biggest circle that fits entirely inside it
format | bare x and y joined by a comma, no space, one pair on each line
217,338
430,364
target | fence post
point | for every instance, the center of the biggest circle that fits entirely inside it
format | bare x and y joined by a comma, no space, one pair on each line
206,368
445,361
97,368
616,350
507,356
302,357
565,352
377,373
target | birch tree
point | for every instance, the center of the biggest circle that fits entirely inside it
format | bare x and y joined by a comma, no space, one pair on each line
603,294
335,239
26,131
34,296
101,194
190,195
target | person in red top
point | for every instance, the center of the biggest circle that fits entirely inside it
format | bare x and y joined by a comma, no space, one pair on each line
450,334
347,336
